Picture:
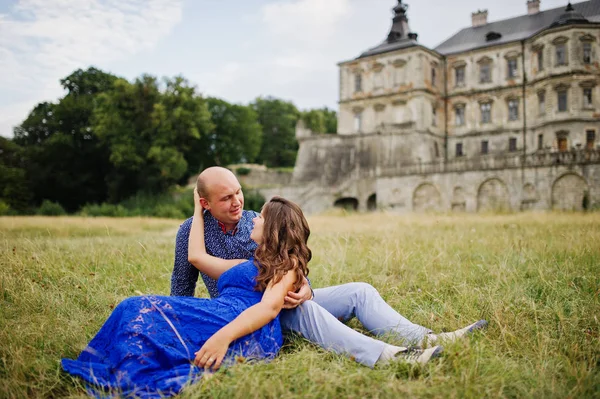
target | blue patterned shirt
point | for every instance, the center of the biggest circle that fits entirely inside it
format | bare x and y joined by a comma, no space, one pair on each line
236,245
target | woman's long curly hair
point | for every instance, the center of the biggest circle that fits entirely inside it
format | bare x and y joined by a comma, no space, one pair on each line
283,247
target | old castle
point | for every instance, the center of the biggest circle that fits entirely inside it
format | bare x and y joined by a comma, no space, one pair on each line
502,115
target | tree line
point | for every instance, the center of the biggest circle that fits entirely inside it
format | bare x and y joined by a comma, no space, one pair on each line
108,140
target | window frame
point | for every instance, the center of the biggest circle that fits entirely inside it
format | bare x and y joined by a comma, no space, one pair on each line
512,144
458,150
541,102
462,108
512,72
483,112
513,109
559,92
485,147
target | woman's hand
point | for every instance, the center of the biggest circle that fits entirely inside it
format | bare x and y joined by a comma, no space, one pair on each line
197,204
212,352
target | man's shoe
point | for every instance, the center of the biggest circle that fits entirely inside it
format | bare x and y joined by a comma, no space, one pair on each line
416,355
449,337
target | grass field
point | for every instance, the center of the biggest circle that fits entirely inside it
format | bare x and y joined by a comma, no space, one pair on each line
534,277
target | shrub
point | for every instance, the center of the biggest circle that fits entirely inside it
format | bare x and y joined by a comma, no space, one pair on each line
168,211
253,200
243,171
4,208
110,210
49,208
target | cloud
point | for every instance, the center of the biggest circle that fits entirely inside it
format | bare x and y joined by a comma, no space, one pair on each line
308,22
42,41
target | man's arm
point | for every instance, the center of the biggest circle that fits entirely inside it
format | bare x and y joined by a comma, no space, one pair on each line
197,255
185,275
214,349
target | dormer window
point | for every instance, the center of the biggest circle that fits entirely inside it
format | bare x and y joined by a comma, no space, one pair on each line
491,36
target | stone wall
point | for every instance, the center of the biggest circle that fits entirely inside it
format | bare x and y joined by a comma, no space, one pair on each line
565,181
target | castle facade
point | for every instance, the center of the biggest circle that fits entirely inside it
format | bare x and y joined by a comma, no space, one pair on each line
503,115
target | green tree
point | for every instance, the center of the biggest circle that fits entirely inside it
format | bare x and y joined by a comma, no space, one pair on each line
149,133
236,137
322,120
67,161
14,186
278,119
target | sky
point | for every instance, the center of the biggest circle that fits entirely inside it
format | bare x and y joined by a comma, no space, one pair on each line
236,50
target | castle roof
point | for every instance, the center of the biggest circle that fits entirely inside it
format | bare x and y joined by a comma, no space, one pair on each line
519,28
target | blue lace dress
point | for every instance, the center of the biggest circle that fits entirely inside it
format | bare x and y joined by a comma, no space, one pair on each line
146,347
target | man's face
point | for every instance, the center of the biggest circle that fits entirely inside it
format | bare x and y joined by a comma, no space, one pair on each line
225,201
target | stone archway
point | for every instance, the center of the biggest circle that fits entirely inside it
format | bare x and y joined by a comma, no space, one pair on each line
459,202
347,203
426,198
493,196
569,192
372,202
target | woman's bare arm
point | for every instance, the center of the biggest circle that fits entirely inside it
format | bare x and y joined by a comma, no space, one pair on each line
210,265
214,349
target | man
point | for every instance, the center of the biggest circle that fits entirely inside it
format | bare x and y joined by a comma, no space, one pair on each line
315,316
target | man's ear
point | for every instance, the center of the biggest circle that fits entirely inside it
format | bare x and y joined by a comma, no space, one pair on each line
205,204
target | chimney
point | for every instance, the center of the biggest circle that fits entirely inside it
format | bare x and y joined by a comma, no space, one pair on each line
533,7
479,18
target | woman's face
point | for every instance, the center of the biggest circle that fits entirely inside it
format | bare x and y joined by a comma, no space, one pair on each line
257,231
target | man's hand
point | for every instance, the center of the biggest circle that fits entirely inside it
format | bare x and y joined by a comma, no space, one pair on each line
212,352
293,299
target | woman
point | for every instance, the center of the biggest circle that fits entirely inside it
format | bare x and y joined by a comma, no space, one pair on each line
145,347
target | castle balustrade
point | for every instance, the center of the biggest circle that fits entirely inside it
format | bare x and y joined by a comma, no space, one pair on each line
488,162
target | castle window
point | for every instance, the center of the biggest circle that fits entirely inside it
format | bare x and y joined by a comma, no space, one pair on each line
459,113
561,54
459,76
540,59
436,149
511,68
513,109
433,76
357,82
484,146
358,122
459,150
433,115
485,73
542,102
561,141
377,80
486,112
562,100
587,97
540,141
587,53
512,144
590,139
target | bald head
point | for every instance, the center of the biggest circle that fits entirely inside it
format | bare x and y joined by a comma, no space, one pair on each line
221,194
212,177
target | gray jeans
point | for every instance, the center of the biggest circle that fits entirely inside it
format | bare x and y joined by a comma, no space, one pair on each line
321,321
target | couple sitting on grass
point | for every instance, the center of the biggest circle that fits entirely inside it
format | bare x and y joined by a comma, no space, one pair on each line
255,267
